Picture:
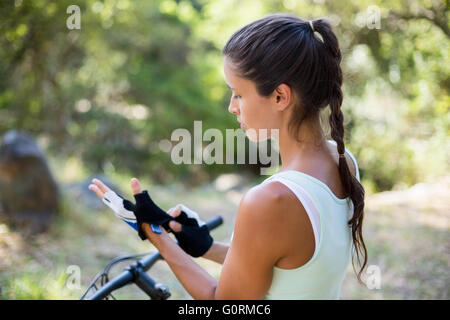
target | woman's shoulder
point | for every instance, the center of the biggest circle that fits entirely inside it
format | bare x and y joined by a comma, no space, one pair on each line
271,211
271,203
271,194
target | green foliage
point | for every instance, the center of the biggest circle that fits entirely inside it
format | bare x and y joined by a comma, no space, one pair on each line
110,92
38,286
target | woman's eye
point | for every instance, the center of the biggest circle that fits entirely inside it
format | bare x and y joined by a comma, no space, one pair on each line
235,97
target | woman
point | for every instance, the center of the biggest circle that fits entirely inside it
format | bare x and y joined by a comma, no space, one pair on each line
296,232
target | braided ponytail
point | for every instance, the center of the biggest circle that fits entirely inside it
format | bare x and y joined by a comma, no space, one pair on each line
351,185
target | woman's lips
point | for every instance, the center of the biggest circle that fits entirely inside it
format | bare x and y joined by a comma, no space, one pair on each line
242,125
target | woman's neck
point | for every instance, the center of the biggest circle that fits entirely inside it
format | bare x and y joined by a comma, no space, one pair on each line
296,154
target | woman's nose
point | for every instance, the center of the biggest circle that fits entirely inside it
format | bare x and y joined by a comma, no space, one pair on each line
233,108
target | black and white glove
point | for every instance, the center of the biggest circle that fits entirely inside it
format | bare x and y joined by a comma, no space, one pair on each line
122,208
194,237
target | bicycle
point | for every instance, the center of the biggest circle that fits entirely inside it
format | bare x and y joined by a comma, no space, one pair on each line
135,273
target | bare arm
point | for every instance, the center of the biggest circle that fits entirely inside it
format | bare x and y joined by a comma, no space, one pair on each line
217,252
199,283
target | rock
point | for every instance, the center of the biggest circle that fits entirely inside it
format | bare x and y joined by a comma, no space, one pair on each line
29,196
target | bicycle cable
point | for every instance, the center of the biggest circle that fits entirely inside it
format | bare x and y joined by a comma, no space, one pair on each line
103,275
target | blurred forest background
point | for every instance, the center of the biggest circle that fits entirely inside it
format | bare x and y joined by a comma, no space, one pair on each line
103,101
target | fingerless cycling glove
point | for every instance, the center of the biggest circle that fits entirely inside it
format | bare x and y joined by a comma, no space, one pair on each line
117,204
147,211
194,237
124,210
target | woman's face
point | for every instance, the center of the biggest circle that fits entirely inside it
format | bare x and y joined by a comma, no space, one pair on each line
253,111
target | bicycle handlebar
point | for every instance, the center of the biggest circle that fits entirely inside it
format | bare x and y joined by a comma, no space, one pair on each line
137,273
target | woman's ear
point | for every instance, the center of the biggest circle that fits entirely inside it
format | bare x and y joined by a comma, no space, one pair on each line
283,96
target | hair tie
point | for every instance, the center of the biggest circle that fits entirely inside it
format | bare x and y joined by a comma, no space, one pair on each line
341,156
311,25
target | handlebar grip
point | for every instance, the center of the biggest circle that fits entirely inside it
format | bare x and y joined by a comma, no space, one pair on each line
214,222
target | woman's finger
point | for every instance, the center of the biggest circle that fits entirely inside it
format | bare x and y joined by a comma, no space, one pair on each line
175,226
175,211
103,188
135,186
170,211
97,191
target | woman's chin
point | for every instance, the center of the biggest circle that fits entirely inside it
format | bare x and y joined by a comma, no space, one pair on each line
256,135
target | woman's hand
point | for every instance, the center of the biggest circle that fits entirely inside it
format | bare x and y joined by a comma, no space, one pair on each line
191,232
126,210
147,211
121,207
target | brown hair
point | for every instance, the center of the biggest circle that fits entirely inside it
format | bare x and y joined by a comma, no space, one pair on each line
282,48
